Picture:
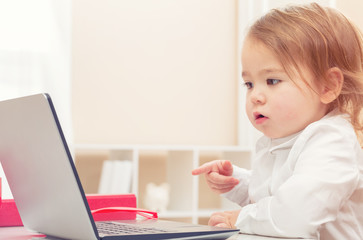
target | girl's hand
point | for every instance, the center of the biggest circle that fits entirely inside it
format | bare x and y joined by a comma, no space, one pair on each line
224,219
218,174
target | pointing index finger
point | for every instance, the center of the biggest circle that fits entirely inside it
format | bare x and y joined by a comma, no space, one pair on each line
205,168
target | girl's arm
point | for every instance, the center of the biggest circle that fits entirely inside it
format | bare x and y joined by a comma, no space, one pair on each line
239,194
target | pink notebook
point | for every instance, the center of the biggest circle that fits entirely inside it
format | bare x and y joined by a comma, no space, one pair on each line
9,215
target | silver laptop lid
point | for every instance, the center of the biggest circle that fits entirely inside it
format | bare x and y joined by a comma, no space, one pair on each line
33,148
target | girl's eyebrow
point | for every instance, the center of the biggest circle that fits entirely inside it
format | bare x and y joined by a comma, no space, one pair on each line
265,71
272,70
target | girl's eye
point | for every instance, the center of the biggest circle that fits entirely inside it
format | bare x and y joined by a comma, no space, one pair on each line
272,81
249,85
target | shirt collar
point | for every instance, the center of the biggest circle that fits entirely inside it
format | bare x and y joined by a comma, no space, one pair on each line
282,143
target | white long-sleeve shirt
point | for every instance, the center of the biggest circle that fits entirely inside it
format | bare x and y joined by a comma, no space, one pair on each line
307,185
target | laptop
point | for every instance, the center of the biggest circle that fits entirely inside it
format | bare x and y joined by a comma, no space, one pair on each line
46,187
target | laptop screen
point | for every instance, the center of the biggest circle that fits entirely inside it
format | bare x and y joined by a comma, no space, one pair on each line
34,154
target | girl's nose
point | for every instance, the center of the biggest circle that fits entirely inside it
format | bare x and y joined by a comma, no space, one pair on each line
257,97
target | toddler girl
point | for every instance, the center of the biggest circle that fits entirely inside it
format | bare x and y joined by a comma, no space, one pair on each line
303,68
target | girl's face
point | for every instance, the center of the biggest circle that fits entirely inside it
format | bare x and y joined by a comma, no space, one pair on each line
276,105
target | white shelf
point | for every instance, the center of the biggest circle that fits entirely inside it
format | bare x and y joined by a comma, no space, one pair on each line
190,196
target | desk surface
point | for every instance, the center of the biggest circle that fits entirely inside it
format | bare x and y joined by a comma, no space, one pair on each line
20,233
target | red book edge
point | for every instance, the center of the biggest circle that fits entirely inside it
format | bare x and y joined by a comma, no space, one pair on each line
9,215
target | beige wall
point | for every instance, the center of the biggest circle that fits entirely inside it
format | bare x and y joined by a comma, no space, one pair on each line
159,71
154,72
353,10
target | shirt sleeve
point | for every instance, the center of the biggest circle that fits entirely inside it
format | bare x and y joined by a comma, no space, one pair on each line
239,194
325,174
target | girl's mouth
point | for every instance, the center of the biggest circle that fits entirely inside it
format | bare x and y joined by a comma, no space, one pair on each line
258,115
259,118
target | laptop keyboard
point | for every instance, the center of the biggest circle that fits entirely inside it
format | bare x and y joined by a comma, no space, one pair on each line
112,228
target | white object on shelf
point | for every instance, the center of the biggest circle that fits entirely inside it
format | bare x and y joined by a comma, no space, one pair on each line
106,177
115,177
157,197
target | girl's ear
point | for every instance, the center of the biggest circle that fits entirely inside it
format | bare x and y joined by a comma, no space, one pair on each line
334,85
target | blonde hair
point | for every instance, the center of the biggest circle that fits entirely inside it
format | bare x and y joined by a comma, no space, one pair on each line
319,38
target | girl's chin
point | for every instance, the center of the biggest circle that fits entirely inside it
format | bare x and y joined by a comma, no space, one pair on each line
278,135
273,135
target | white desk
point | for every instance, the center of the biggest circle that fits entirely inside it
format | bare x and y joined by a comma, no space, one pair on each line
20,233
255,237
